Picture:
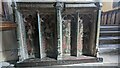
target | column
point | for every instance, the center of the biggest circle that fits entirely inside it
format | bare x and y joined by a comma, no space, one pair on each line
59,7
21,37
98,28
79,35
40,41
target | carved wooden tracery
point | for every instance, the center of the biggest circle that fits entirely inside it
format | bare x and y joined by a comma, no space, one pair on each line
88,34
77,28
79,34
31,29
48,30
66,29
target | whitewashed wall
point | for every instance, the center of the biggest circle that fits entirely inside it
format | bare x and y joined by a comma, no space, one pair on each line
8,40
0,7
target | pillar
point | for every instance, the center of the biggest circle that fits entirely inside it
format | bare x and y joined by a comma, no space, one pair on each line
40,36
21,36
59,7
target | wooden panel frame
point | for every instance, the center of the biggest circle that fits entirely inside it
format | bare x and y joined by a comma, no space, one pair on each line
7,25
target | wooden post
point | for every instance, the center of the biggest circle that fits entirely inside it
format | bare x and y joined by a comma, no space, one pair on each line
21,37
76,36
39,28
59,7
98,28
79,35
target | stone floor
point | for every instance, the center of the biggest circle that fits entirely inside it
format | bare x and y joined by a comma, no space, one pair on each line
66,60
110,60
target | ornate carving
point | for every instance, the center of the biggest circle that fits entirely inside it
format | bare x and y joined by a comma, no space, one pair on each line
66,25
30,22
48,32
87,22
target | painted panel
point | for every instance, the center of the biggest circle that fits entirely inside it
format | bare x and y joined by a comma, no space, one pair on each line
49,36
66,30
32,36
